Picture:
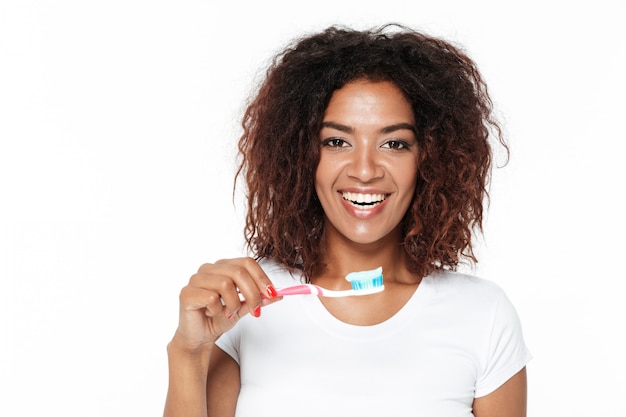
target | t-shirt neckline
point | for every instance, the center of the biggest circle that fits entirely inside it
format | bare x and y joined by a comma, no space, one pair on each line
317,312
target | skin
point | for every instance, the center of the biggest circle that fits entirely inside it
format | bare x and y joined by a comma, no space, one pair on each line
368,147
209,306
509,400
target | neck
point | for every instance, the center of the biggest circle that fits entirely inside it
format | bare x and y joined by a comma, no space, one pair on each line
343,256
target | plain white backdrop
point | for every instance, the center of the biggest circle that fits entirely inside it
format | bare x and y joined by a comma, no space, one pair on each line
118,124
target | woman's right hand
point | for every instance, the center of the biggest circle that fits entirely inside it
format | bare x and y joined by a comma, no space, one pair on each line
210,303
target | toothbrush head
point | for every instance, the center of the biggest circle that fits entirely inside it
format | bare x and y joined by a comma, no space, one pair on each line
367,282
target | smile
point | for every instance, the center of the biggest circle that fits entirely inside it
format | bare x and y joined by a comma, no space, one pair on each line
363,200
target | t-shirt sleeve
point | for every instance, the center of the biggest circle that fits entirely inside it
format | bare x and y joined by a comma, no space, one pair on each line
229,342
507,353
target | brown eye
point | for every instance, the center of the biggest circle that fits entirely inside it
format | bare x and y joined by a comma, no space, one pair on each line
334,143
396,145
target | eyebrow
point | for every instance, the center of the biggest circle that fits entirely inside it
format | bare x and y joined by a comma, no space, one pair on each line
386,129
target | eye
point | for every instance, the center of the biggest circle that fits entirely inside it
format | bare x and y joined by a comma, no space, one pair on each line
334,143
396,145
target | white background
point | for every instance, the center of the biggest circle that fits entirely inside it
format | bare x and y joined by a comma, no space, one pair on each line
118,122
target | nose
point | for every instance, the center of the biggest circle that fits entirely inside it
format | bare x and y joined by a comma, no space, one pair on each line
365,165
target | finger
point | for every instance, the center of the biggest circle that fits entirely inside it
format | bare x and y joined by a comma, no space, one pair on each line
193,298
247,277
245,287
219,282
249,268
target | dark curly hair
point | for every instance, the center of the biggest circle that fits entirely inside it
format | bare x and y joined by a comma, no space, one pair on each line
280,150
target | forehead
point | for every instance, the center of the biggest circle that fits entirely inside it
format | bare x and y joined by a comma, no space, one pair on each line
366,101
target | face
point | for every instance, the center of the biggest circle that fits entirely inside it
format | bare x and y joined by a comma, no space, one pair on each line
367,172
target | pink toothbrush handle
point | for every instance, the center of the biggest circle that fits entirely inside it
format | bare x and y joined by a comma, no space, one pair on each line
303,289
300,290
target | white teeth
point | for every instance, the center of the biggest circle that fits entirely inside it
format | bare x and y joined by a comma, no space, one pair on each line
363,199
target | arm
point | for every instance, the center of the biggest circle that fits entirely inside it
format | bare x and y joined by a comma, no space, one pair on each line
186,395
191,387
209,306
509,400
223,382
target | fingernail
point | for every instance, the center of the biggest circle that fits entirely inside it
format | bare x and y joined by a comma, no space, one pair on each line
233,314
271,291
257,311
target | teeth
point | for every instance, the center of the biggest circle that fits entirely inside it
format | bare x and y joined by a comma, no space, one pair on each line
363,199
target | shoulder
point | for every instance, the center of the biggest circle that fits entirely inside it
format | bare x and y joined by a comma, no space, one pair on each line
465,294
451,282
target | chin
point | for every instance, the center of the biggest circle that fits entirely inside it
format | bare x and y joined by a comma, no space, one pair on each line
368,238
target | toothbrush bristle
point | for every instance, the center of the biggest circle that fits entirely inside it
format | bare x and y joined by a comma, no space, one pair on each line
367,282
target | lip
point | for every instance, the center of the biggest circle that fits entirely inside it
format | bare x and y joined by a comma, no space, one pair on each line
366,212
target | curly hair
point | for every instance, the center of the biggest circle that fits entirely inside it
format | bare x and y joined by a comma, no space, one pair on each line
279,148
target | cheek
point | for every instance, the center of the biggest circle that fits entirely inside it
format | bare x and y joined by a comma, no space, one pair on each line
324,175
321,182
411,180
319,177
407,180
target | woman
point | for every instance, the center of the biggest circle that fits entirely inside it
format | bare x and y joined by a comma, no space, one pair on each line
361,149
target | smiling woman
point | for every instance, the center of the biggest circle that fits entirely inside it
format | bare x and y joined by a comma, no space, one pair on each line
360,150
367,172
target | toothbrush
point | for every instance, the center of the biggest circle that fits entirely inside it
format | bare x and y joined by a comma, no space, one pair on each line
363,283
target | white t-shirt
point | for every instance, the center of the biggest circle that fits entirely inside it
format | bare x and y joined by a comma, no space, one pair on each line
457,338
